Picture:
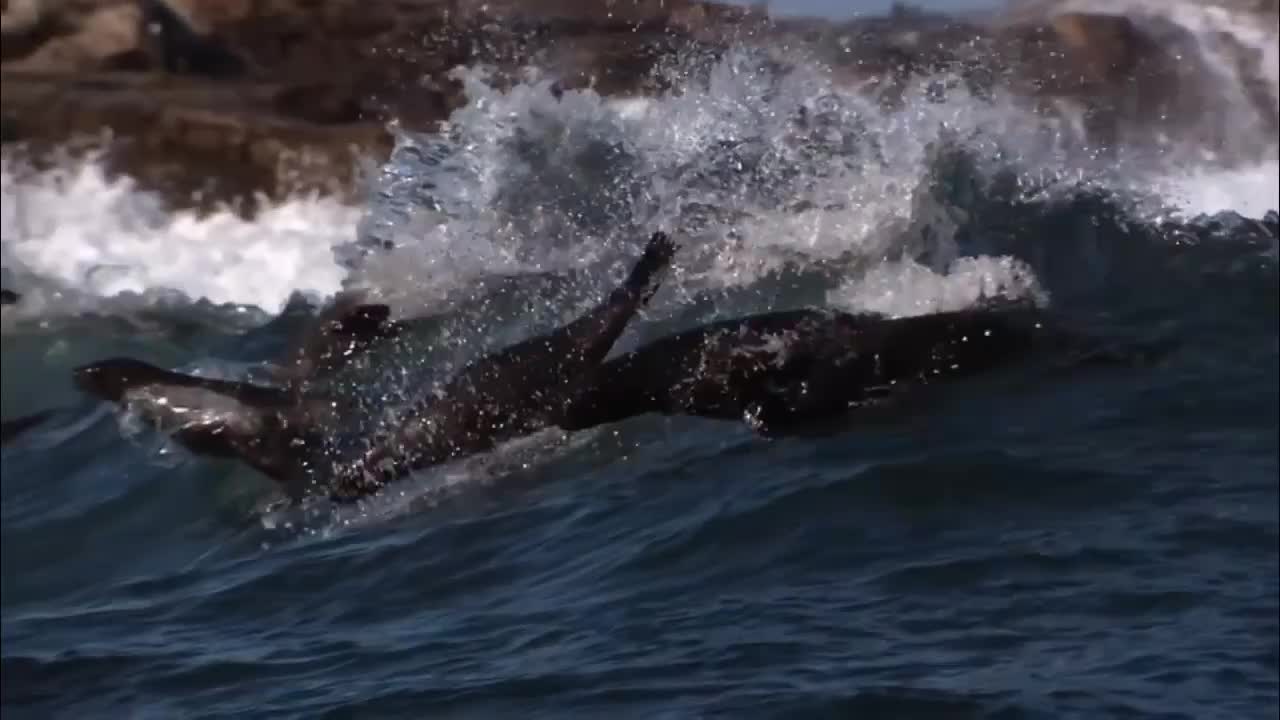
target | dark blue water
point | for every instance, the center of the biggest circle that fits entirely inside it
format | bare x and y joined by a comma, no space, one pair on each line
1096,542
1100,543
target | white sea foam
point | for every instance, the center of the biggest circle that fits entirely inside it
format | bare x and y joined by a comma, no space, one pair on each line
906,288
1250,191
523,182
88,236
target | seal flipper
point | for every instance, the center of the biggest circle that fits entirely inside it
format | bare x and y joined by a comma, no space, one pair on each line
658,254
532,378
586,341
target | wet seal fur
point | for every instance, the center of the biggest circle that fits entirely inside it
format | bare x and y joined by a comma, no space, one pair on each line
281,431
782,372
787,371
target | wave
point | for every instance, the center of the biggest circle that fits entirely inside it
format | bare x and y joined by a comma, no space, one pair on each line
761,166
75,240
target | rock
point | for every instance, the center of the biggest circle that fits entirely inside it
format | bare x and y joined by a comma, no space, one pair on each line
1138,80
247,96
884,54
197,141
20,28
321,103
103,31
1133,80
240,97
1078,53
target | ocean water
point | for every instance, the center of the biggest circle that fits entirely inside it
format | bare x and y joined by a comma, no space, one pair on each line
1092,544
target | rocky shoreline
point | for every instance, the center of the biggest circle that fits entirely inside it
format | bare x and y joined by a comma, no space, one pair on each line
222,100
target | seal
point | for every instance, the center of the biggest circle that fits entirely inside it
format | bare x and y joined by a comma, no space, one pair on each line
283,431
506,395
782,371
267,428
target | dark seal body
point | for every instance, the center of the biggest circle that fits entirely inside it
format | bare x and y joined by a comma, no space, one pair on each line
787,369
508,394
283,431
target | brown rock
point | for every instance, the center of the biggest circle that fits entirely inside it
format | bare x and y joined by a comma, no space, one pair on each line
279,94
1079,52
196,141
237,96
205,16
104,31
1120,76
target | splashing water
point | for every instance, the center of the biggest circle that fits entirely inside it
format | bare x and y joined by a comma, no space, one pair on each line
85,237
760,167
